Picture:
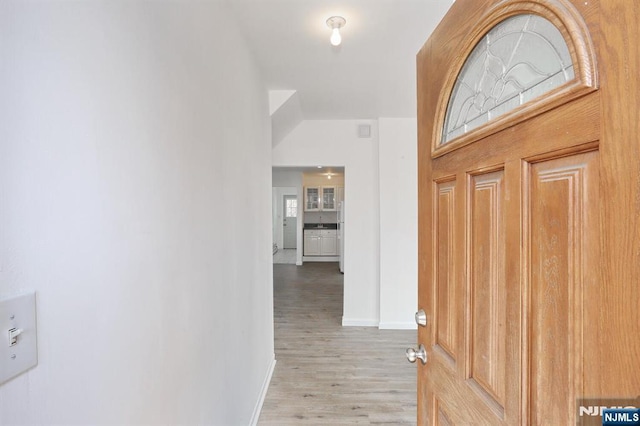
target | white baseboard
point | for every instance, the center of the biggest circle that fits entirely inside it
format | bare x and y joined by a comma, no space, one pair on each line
359,322
397,325
263,394
320,258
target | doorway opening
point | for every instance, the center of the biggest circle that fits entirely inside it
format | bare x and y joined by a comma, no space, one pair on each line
308,215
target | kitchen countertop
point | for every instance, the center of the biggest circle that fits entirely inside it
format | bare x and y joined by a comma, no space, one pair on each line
320,226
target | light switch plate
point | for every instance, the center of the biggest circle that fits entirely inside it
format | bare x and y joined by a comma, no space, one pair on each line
18,313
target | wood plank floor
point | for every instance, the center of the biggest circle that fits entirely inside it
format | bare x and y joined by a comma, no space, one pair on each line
329,374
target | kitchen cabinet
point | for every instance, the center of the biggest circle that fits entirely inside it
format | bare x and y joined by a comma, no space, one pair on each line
312,198
329,198
312,245
329,242
320,198
320,242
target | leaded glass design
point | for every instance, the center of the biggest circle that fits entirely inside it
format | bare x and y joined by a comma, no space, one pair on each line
520,59
292,208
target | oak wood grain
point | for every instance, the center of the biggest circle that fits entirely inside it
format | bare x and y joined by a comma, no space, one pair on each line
572,223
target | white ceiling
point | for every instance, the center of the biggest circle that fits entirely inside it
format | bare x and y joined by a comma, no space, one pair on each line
371,75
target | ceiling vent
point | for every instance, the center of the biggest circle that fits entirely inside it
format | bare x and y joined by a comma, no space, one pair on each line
364,131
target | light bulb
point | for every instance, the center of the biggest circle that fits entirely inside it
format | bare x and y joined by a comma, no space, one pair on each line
335,23
336,38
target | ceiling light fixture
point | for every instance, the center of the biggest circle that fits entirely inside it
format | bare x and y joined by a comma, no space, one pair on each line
335,23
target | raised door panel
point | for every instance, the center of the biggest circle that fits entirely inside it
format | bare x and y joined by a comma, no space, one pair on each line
563,238
442,418
445,311
486,288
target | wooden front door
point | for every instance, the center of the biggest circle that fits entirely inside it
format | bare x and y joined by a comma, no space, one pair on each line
529,214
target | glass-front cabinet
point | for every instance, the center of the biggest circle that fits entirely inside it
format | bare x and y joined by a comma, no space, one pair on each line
312,198
329,198
320,198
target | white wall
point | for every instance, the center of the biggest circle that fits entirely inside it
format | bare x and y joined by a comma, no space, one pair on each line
321,217
398,222
312,179
283,177
135,190
336,143
286,117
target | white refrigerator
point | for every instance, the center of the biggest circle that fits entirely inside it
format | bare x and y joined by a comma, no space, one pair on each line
341,235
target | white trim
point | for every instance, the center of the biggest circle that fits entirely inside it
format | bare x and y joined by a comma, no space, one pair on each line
263,394
321,258
359,322
397,325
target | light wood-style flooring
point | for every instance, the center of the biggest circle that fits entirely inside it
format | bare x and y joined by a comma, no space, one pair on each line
327,374
285,256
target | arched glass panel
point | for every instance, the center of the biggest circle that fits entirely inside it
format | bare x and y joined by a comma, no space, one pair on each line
519,59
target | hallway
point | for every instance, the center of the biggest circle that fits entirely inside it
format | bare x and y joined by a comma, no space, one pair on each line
329,374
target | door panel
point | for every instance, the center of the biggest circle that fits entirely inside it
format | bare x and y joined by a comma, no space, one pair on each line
486,287
561,203
458,401
443,419
447,315
467,374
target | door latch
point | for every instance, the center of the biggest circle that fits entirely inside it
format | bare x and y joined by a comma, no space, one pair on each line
421,318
